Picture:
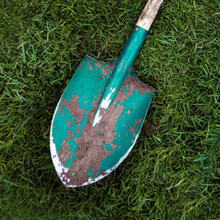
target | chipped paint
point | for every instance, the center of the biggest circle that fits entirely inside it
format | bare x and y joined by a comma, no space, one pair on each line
69,123
59,167
103,107
100,114
83,153
90,136
107,172
122,66
98,64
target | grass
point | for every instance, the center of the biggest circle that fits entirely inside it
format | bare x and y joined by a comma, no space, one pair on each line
173,172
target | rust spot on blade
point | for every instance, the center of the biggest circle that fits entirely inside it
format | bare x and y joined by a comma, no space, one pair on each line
64,151
131,84
69,123
104,71
73,108
107,69
131,129
102,172
98,64
137,121
77,129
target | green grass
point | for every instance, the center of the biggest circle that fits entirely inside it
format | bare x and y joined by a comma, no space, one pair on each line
173,172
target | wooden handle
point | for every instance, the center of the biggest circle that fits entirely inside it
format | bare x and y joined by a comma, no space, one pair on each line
149,13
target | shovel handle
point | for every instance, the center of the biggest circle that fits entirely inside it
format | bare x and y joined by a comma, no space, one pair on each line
149,13
127,57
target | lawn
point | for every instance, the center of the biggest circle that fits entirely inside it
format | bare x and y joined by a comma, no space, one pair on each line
173,171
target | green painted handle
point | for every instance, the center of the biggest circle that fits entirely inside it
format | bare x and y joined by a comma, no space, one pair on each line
127,57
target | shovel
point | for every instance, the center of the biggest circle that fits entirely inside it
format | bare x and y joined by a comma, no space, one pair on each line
101,112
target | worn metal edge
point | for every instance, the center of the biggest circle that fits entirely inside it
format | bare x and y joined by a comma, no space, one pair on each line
59,168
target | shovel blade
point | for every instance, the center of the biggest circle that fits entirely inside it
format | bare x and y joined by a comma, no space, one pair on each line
82,152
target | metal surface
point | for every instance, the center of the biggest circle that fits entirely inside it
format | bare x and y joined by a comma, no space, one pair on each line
84,152
123,64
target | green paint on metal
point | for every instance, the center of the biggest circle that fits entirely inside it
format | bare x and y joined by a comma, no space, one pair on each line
57,135
69,162
118,102
88,151
90,173
124,63
124,90
86,90
108,147
128,126
71,157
